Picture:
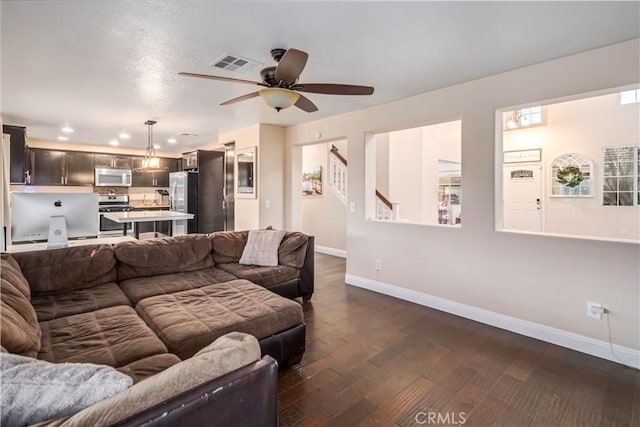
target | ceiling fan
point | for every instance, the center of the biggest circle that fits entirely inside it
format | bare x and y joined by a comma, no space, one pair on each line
280,83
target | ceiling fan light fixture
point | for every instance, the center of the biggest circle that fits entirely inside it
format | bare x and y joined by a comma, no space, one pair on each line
279,98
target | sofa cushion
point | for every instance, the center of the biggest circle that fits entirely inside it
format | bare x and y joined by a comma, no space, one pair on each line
20,332
34,390
143,258
144,368
263,276
144,287
186,321
293,249
60,270
79,301
228,245
225,355
262,248
113,336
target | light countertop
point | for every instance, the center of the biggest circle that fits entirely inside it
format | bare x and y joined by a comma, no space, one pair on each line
32,247
146,216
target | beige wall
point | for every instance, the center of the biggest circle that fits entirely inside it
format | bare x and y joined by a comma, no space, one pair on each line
251,214
583,126
541,279
271,176
324,216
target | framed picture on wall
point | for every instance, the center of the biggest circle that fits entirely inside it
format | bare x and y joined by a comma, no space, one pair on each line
312,180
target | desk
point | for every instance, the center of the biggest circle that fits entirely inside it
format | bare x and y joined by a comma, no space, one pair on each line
146,216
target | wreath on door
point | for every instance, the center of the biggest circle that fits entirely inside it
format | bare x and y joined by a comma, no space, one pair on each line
571,176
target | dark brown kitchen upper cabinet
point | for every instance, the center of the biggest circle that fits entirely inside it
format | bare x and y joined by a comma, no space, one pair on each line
190,161
17,155
112,161
79,168
47,167
51,167
153,179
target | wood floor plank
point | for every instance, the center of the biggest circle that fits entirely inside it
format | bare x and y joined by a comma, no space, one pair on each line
373,360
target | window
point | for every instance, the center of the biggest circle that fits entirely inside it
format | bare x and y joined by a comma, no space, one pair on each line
575,174
620,176
629,97
523,117
415,175
581,186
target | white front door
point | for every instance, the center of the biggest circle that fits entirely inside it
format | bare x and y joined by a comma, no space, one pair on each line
522,197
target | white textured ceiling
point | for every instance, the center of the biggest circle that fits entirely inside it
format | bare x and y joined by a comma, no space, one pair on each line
107,66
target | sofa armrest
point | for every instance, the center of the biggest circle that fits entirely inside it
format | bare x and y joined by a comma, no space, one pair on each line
246,397
307,279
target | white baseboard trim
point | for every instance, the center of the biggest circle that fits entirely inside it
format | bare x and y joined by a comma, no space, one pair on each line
573,341
331,251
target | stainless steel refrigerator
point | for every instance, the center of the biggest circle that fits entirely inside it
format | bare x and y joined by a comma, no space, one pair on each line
183,197
201,193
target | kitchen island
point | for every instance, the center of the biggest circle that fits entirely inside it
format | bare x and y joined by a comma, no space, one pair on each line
150,216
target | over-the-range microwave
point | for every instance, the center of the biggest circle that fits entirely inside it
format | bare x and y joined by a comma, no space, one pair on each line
113,177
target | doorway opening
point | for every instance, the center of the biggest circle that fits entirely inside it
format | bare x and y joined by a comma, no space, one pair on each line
323,187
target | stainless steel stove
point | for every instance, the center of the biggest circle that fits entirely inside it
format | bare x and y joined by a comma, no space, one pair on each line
112,203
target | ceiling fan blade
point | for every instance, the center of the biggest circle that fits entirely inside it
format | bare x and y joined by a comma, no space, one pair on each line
224,79
241,98
305,104
333,89
291,65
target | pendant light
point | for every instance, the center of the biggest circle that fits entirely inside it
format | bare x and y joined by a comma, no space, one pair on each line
151,162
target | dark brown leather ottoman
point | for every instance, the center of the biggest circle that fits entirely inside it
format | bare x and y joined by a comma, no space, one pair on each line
189,320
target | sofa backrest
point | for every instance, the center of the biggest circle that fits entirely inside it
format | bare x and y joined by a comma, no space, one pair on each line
20,332
60,270
229,245
293,249
143,258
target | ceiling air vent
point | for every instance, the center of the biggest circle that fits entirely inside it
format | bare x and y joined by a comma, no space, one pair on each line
235,63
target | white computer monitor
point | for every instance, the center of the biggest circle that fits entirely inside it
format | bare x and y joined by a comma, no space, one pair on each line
32,214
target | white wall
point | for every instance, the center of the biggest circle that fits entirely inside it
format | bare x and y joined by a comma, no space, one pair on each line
584,126
324,216
541,279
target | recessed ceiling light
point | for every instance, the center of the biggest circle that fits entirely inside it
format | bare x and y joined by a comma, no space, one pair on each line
124,135
156,146
172,140
114,142
67,129
63,138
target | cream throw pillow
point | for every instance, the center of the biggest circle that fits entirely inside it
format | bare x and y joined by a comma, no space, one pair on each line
34,390
262,248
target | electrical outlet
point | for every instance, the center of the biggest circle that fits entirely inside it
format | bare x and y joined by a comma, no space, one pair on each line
352,206
267,204
595,310
378,264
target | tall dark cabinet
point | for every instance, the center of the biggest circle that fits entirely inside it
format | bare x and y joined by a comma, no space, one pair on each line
18,157
206,183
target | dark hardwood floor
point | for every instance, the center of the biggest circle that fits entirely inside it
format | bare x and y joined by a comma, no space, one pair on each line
373,360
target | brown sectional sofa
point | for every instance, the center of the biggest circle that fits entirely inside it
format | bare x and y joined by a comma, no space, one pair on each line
143,306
